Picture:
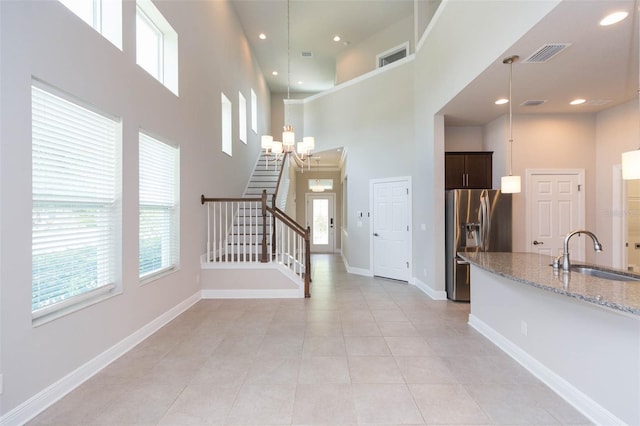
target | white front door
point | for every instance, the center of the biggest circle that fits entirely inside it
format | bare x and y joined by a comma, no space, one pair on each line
555,206
321,219
390,224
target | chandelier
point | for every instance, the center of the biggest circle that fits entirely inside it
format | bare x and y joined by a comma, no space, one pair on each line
301,151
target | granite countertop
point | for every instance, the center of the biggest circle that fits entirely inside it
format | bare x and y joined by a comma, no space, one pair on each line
534,270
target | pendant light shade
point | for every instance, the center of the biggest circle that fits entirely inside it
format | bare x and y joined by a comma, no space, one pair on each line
266,142
511,184
631,165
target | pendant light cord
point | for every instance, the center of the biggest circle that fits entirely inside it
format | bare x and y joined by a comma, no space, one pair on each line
510,117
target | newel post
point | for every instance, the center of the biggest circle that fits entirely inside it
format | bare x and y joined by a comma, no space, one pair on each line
263,258
273,226
307,262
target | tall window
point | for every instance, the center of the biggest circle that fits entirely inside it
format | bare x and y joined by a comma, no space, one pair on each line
156,45
105,16
226,125
75,203
254,112
159,207
242,117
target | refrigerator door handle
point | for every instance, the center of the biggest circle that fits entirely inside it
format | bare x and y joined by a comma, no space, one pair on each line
461,262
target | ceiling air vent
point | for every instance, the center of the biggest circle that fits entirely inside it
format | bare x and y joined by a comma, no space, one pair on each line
306,54
546,52
532,102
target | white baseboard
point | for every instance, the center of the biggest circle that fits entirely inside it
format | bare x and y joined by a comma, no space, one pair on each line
356,271
53,393
253,294
434,294
587,406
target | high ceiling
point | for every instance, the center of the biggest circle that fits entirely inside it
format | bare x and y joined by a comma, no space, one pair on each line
600,64
313,24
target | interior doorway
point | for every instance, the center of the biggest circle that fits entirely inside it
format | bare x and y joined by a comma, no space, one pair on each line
555,206
390,226
320,217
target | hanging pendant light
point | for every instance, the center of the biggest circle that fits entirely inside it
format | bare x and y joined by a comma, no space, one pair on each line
510,184
302,150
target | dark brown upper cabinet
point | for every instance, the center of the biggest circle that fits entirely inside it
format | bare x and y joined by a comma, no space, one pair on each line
468,170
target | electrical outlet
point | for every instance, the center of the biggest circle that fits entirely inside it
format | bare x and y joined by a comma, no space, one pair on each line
1,385
523,327
424,272
197,278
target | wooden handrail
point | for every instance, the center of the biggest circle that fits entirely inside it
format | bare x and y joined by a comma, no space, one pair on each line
295,226
275,193
204,199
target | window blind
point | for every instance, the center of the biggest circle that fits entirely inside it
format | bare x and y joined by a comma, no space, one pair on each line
159,213
74,216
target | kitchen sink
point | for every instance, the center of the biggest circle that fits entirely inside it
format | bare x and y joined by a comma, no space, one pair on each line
603,273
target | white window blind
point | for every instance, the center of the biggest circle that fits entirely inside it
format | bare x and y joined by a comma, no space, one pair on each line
75,172
159,201
227,142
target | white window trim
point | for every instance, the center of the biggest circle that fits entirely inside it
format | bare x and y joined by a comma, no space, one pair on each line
169,55
242,118
226,125
254,112
175,262
399,48
106,19
75,303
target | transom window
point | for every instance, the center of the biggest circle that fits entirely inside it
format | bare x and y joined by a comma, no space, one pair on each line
156,45
105,16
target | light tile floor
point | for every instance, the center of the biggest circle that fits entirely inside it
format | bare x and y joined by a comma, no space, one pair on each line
360,351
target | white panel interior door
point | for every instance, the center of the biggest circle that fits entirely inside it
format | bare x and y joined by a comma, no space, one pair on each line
391,229
321,219
555,207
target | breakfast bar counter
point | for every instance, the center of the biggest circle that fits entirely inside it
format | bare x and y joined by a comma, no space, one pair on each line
577,333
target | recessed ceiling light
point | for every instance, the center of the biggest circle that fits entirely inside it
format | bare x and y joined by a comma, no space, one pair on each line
262,36
502,101
613,18
336,38
577,102
274,72
300,82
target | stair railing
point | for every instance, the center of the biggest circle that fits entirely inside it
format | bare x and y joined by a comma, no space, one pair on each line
290,242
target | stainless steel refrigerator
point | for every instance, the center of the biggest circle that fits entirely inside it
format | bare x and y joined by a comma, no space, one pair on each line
476,220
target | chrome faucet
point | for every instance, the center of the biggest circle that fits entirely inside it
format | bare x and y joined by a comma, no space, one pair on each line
566,263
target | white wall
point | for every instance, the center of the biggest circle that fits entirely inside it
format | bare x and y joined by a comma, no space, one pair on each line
616,132
559,141
43,39
373,120
456,48
361,58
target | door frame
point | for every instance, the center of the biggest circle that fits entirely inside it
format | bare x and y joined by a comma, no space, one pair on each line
529,173
310,195
372,182
619,220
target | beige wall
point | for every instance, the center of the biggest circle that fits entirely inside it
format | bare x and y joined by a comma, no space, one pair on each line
463,138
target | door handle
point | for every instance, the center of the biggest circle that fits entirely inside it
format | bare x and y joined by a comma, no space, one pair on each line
536,243
375,234
331,222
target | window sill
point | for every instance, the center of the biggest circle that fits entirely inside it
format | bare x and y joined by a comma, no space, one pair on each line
154,276
64,311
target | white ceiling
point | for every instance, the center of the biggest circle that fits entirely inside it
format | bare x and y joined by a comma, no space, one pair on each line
601,64
313,24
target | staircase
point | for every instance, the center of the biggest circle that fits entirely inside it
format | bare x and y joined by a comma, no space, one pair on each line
254,233
243,243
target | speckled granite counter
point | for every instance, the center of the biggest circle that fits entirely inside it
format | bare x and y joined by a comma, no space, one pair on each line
534,270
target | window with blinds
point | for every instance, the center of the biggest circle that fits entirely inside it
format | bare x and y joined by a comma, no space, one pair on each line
75,202
159,207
